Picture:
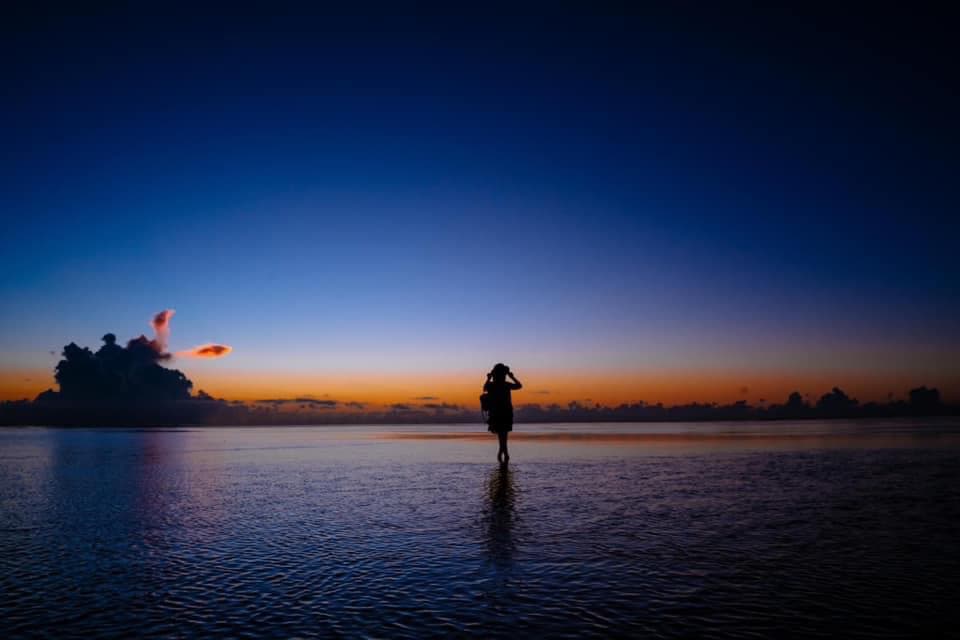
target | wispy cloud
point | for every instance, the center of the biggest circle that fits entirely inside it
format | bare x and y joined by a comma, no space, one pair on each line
442,406
313,402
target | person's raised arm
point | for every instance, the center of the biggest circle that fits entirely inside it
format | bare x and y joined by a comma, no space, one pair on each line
516,383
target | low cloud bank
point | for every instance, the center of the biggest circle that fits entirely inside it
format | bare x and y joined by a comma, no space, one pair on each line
130,386
166,400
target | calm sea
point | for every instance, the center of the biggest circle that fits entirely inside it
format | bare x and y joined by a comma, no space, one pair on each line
655,530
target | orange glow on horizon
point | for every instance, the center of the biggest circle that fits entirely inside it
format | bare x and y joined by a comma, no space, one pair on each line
540,387
25,383
544,387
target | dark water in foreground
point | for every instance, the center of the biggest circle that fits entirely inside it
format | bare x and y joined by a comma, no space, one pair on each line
759,530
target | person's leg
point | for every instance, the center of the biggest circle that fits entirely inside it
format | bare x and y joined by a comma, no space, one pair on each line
502,451
506,454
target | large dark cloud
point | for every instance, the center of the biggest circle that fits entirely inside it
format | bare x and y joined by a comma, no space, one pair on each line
120,385
117,375
117,384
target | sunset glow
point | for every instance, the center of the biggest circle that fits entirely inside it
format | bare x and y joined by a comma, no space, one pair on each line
546,387
589,320
627,228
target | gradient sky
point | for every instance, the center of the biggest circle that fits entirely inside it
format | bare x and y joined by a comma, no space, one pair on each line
664,207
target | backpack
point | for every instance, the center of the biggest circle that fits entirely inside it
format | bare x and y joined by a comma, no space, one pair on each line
485,402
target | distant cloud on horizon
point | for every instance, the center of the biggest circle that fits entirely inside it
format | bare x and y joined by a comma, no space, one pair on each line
320,404
443,406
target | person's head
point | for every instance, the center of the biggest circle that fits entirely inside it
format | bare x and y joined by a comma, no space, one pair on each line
500,371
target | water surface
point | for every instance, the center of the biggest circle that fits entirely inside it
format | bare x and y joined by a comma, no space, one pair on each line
670,530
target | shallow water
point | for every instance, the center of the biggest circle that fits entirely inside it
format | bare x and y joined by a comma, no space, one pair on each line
676,530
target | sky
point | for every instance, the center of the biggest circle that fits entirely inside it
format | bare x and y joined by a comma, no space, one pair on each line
686,204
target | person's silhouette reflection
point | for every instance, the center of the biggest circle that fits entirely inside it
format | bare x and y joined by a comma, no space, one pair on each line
500,518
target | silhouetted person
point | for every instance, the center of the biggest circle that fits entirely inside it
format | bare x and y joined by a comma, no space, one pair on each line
499,405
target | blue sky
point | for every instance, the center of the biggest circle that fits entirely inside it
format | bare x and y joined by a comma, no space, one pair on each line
676,191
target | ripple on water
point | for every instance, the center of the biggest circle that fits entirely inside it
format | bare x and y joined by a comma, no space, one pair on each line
110,542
